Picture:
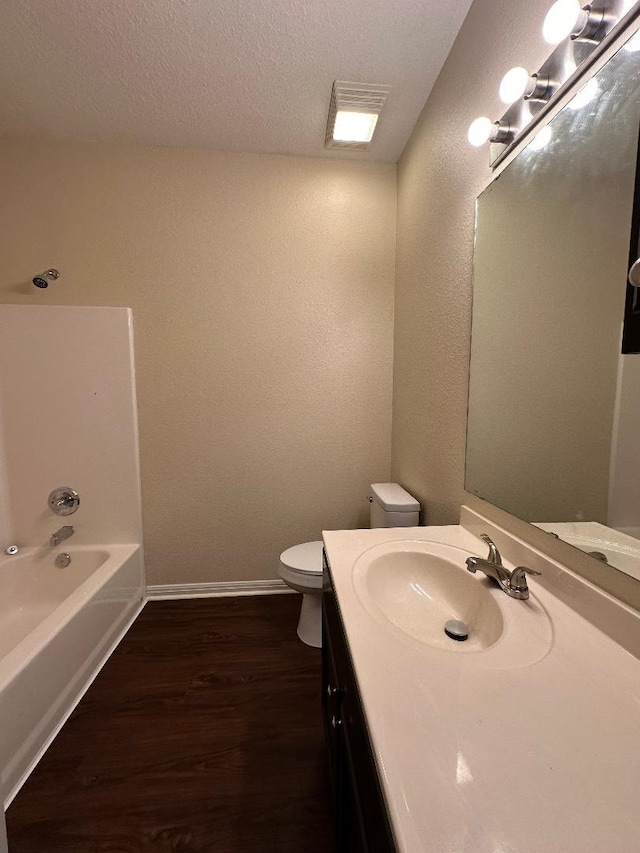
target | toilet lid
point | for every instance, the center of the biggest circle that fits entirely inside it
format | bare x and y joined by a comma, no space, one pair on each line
304,558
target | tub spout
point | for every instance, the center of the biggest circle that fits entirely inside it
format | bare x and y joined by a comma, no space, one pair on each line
60,535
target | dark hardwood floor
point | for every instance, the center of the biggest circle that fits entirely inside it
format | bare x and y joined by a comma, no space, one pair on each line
202,733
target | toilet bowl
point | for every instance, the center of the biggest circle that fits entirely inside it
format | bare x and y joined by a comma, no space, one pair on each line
301,568
301,565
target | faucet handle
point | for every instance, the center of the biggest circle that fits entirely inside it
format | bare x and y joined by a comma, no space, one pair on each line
494,554
64,500
519,577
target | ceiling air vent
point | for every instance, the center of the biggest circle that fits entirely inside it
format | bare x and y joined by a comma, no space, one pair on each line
353,114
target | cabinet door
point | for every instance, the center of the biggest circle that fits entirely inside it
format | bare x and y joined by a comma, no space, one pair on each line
330,707
349,837
362,822
354,837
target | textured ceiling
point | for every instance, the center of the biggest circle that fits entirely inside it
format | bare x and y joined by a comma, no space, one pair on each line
235,75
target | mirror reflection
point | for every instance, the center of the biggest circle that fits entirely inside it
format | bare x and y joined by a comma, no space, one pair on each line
554,408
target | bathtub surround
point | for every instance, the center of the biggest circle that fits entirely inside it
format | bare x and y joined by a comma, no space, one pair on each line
67,390
262,296
69,419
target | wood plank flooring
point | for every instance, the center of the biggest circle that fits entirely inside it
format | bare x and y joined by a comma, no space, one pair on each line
202,733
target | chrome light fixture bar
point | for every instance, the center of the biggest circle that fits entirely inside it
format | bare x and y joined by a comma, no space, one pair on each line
581,35
353,114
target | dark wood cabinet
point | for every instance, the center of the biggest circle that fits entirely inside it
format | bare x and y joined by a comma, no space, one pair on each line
362,824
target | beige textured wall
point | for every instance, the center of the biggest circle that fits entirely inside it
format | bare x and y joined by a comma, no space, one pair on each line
262,296
439,177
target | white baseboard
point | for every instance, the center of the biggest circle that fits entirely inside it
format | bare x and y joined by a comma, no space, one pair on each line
157,592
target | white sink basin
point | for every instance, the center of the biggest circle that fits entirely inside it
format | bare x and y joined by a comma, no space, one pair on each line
413,588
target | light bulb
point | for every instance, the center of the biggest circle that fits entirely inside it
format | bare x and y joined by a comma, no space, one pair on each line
514,85
480,131
584,95
541,139
560,20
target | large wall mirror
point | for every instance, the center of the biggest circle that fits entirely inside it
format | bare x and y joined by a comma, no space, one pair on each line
554,406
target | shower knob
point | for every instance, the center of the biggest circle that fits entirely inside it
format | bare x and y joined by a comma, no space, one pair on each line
64,500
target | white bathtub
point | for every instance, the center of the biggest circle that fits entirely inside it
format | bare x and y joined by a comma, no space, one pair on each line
57,628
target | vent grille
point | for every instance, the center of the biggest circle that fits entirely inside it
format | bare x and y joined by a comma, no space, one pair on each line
357,97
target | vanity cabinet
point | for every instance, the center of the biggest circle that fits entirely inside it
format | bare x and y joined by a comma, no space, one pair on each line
362,825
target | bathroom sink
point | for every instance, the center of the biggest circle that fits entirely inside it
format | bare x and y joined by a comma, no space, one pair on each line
413,588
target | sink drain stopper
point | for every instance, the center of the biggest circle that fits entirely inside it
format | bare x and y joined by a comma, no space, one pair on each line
456,630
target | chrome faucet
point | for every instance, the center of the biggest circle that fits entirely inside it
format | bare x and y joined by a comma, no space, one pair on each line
60,535
513,583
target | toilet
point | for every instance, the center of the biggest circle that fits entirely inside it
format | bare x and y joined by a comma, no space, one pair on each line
301,565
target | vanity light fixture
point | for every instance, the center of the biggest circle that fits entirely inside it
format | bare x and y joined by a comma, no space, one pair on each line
580,35
540,88
484,130
353,114
479,131
560,20
567,18
514,84
518,83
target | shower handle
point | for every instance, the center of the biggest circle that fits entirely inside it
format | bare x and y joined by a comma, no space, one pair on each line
64,500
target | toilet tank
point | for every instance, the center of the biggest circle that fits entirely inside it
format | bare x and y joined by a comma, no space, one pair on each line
391,506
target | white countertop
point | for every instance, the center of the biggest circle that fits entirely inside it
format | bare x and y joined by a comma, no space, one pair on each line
543,758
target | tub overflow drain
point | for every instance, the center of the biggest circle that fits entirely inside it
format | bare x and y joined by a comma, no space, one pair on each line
456,630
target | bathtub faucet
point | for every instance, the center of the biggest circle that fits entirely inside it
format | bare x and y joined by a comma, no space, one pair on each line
60,535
